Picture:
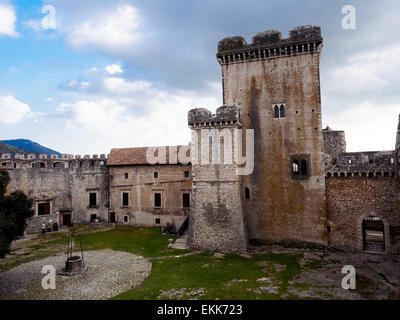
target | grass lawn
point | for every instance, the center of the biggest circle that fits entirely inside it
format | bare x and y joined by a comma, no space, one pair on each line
174,274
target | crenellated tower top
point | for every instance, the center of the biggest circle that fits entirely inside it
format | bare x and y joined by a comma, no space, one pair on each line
269,45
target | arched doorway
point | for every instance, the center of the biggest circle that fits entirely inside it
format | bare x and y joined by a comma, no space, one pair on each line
373,234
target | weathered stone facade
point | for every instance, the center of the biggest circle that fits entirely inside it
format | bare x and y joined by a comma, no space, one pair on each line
216,220
60,187
296,183
172,182
259,77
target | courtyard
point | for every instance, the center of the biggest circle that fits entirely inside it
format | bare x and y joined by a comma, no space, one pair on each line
135,263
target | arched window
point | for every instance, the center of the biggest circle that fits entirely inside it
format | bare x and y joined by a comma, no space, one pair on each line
276,112
247,193
282,111
295,168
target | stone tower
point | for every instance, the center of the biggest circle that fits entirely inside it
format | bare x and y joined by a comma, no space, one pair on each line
275,82
216,215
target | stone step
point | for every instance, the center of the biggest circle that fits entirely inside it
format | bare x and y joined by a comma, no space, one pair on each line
180,243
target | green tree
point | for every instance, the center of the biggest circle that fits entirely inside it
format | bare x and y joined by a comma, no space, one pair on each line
14,210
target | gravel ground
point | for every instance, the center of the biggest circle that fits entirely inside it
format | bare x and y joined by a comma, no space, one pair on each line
109,274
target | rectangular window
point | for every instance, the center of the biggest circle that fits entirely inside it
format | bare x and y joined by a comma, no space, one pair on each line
92,199
186,200
300,166
125,199
93,217
43,208
157,220
126,218
126,176
157,200
186,174
155,175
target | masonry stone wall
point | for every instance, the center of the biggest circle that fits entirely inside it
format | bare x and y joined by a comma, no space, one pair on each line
352,198
141,185
64,183
216,217
334,142
257,77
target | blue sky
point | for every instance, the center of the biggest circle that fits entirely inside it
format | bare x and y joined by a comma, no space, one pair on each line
124,73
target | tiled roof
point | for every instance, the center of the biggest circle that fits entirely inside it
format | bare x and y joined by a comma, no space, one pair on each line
135,156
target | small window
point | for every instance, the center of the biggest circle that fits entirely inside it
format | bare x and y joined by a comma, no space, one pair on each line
391,160
93,217
157,200
247,193
158,221
92,199
303,168
279,111
295,168
276,112
186,200
126,175
300,169
155,175
43,208
126,218
186,174
282,111
125,199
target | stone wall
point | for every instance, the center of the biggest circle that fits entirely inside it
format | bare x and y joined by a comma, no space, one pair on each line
216,217
34,224
64,183
350,199
257,77
334,142
141,186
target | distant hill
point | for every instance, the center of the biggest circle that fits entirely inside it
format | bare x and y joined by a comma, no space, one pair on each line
5,148
26,146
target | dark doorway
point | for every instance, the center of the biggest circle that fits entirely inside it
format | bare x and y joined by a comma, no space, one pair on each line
112,217
66,220
373,234
93,217
43,208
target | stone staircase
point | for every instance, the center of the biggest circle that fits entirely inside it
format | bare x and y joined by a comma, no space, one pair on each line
180,243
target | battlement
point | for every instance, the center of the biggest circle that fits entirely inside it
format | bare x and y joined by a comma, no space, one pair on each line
269,44
226,116
34,156
362,164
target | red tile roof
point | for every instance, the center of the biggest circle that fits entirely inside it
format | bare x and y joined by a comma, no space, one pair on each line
137,156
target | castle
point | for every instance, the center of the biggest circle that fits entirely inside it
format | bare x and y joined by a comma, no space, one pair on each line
261,169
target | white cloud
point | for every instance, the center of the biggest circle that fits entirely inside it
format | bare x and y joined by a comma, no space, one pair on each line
7,20
78,85
34,24
373,70
114,122
368,127
108,30
12,110
49,99
113,69
121,86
